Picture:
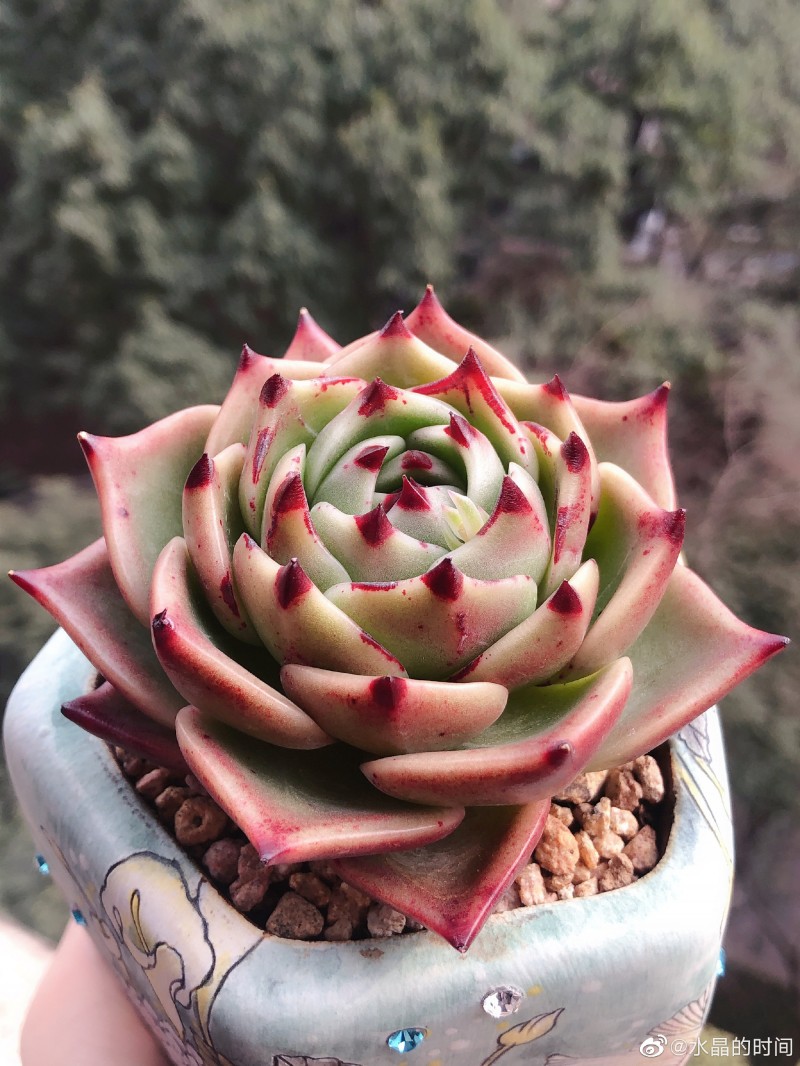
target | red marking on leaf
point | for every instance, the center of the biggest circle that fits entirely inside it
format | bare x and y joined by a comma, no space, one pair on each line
555,387
444,580
575,453
390,500
371,458
247,357
162,626
123,512
273,389
373,586
375,397
512,500
461,626
387,692
291,582
673,525
396,327
412,496
226,591
469,375
290,496
460,430
557,754
565,600
374,526
563,518
201,473
416,461
541,435
263,441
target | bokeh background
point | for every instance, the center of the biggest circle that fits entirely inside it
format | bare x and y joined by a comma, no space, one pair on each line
610,190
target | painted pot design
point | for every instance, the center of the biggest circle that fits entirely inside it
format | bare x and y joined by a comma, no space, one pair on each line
606,979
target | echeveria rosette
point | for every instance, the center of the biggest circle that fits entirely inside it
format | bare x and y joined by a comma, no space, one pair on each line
407,597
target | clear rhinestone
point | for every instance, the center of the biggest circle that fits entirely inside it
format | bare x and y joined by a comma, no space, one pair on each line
406,1039
79,916
502,1001
721,963
41,863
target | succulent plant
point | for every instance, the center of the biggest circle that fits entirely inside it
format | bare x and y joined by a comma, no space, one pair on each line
388,599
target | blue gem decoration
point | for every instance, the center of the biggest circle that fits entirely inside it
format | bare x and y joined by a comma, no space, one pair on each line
406,1039
721,963
41,863
78,915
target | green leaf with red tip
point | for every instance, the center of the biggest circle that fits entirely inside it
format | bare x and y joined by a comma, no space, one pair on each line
542,741
636,546
105,713
470,390
633,434
462,446
240,406
310,343
277,428
82,595
138,480
378,409
424,468
225,678
420,512
540,647
212,524
515,540
369,547
298,623
395,355
350,486
452,886
431,323
437,623
572,511
394,715
296,807
693,652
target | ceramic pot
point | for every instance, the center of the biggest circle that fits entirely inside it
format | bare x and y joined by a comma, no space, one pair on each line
607,979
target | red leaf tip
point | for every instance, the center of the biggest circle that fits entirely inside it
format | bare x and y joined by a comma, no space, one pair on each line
412,496
396,327
460,430
375,397
374,526
444,580
371,458
565,600
201,473
291,582
162,625
555,388
273,389
247,357
575,453
387,692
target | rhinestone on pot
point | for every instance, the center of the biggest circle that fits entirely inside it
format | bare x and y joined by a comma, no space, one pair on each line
502,1001
42,865
406,1039
79,916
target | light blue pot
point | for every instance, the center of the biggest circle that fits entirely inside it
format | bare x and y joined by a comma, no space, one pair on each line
607,979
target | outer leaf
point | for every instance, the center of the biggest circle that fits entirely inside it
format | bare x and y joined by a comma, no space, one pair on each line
205,664
295,807
453,886
395,355
82,596
459,444
138,480
546,737
310,343
108,715
394,715
693,652
350,486
572,511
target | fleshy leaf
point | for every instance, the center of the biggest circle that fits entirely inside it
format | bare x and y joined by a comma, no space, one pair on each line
216,672
437,623
633,434
394,354
310,343
394,715
82,596
541,646
369,547
572,511
421,513
452,886
138,480
636,546
297,623
431,323
545,737
425,469
693,652
350,486
212,524
295,807
105,713
459,444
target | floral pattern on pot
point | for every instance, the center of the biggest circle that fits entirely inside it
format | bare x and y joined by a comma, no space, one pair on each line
388,599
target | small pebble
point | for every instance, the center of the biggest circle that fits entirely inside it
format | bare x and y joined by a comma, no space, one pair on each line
342,929
245,895
530,884
383,920
199,820
567,892
618,874
169,802
623,789
153,782
643,850
311,887
348,902
556,851
555,882
596,819
624,823
564,814
608,844
135,766
586,850
648,773
509,900
294,918
222,860
584,789
581,873
586,888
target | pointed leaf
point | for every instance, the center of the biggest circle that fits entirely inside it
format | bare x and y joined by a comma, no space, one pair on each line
452,886
295,807
105,713
462,446
290,534
82,596
350,486
394,354
297,623
215,671
545,737
139,480
310,342
421,513
572,511
540,647
431,323
437,623
425,469
394,715
693,652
